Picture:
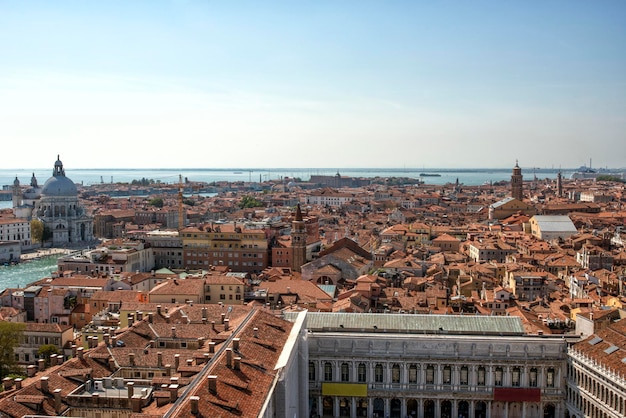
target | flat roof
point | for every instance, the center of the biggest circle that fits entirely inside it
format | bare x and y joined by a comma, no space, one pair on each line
413,323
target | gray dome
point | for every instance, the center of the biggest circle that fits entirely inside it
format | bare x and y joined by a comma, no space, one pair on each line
59,186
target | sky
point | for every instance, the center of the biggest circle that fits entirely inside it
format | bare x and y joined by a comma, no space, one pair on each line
343,83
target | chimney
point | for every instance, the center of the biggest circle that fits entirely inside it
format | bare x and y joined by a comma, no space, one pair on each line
58,405
139,316
150,317
53,360
176,361
158,309
226,323
152,343
229,357
41,363
237,363
131,389
18,383
213,326
204,312
236,344
194,404
173,332
212,384
111,363
44,384
107,339
31,370
135,403
223,317
212,347
159,359
7,383
206,358
79,352
131,359
173,388
131,319
73,350
189,362
168,369
255,332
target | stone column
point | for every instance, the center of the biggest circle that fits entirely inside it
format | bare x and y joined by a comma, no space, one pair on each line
488,414
455,412
403,412
506,410
353,402
387,402
420,408
437,408
471,409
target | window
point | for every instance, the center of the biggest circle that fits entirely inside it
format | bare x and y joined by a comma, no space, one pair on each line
345,372
463,378
413,373
480,377
515,376
532,378
378,373
550,378
223,297
447,375
328,371
311,371
430,374
497,380
361,373
395,373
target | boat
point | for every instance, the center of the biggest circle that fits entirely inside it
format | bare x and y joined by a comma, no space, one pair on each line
430,175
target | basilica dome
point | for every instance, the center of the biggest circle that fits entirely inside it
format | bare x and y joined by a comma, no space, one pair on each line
58,184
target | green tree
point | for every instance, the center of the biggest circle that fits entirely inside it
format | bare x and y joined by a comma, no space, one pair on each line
10,334
46,350
248,201
36,231
157,202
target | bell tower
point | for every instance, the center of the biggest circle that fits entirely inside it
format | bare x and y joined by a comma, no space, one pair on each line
298,241
517,182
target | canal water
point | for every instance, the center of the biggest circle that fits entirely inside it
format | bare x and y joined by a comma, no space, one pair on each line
20,275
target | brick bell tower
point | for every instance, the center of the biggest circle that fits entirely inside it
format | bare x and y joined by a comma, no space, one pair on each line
298,241
517,182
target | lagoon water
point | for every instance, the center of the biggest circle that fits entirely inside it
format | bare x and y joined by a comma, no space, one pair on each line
470,177
19,275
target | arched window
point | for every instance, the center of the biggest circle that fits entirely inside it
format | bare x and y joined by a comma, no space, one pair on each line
550,378
395,373
447,375
328,371
515,376
463,378
413,373
361,373
532,378
345,372
430,374
497,378
378,373
480,376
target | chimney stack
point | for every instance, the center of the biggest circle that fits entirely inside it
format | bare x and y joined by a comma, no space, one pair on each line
44,384
135,403
73,350
18,383
111,363
237,363
176,361
226,323
212,384
58,405
189,362
139,315
159,359
131,389
194,404
229,357
223,317
31,370
79,352
53,360
213,326
41,363
158,309
236,343
173,388
173,332
131,359
212,347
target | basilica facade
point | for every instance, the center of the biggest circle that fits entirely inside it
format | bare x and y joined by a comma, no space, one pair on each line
56,205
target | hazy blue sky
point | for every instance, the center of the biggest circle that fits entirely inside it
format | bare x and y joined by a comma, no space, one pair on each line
313,83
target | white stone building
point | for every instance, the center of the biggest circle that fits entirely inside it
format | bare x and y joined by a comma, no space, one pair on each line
385,365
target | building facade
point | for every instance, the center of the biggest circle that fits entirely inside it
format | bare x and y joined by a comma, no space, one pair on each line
382,365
